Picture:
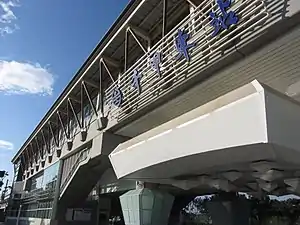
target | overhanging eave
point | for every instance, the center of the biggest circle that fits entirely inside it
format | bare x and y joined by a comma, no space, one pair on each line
244,123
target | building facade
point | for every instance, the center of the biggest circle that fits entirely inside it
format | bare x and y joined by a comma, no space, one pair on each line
180,98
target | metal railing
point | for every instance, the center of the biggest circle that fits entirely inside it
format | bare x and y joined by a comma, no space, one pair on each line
81,157
32,213
251,13
37,195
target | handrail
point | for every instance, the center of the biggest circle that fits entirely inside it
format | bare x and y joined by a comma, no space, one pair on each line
252,13
38,195
82,156
30,213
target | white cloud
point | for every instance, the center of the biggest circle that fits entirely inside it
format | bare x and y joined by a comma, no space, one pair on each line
8,17
6,145
25,78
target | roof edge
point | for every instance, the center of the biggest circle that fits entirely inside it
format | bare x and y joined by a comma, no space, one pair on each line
116,25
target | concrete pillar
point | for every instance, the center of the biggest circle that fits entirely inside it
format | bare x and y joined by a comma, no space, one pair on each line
145,206
103,210
233,211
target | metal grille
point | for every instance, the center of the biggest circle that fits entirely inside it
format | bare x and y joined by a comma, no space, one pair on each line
83,155
251,13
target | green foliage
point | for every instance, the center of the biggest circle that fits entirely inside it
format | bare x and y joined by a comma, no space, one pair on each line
261,209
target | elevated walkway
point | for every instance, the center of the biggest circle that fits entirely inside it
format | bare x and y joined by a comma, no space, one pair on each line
246,140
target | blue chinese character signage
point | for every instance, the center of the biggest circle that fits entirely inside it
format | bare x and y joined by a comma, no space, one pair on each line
182,46
225,20
136,81
220,20
117,97
155,61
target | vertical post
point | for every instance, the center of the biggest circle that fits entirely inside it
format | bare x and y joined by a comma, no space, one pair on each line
98,205
164,26
32,153
19,213
126,50
101,102
23,163
55,210
82,105
83,127
68,122
192,9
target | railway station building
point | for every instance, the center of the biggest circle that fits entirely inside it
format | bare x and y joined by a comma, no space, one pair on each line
180,98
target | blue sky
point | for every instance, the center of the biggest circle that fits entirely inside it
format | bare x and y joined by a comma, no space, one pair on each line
42,45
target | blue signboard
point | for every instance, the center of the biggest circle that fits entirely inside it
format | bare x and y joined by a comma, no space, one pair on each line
225,20
219,22
182,46
117,97
136,81
155,62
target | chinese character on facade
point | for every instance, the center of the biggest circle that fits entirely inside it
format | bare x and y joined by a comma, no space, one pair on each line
225,20
117,97
182,46
155,61
136,81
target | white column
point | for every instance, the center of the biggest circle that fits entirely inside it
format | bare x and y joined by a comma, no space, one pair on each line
145,206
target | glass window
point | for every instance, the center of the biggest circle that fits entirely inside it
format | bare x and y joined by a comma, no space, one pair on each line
45,180
37,182
50,176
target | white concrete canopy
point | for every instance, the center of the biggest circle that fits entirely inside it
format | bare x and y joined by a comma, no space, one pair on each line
237,138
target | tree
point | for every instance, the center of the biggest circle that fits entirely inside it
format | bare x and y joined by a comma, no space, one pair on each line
3,173
197,210
261,209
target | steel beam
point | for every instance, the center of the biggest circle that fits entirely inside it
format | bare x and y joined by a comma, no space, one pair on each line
89,98
107,70
97,57
101,93
34,155
136,39
112,62
82,106
22,163
91,83
68,121
74,112
40,149
25,161
62,124
164,23
138,31
49,140
192,3
126,50
45,142
53,134
29,158
62,112
75,99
